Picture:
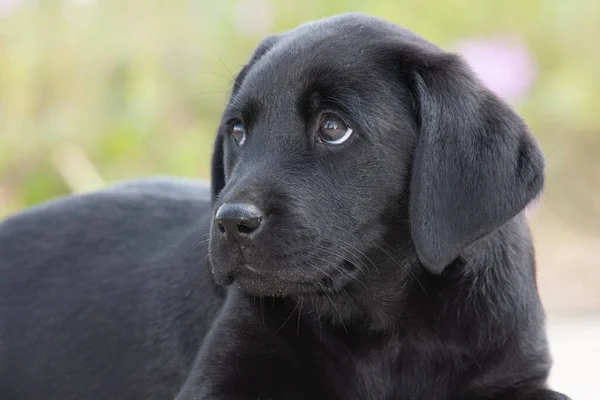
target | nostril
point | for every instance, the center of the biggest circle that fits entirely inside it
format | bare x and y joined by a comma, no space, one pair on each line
230,278
245,229
221,228
249,225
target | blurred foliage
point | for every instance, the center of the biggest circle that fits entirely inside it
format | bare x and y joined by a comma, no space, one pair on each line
97,91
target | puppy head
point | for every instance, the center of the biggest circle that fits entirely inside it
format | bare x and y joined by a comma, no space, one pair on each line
350,135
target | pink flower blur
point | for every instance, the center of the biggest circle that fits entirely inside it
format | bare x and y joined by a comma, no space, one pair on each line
7,6
504,64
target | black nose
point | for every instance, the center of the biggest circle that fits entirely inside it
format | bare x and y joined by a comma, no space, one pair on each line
238,219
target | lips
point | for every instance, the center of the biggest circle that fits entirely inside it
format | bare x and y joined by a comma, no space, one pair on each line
260,283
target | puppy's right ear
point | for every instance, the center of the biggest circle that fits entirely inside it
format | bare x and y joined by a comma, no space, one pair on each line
218,159
476,165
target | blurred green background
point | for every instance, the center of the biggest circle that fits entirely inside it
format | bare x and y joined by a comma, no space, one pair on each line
93,92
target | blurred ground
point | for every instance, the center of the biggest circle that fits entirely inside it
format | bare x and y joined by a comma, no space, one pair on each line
568,267
568,280
575,345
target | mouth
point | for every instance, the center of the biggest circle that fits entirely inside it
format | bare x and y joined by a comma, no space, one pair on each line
263,284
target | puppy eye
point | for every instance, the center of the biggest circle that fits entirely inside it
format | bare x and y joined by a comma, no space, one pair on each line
238,133
333,130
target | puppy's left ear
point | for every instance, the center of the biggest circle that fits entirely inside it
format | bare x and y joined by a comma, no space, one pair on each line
217,169
217,182
475,167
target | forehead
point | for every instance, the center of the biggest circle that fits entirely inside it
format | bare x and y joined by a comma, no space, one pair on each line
314,63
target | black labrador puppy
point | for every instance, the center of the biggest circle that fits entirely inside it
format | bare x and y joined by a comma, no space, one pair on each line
364,238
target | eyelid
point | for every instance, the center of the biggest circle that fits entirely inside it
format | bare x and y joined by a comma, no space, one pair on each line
229,124
325,113
226,126
233,121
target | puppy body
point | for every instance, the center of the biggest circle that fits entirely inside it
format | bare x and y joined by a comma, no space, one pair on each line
395,264
103,295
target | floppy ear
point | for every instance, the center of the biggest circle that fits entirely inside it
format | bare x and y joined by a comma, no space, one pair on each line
217,162
475,165
217,169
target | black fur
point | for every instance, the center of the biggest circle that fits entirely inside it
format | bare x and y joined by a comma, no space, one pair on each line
396,265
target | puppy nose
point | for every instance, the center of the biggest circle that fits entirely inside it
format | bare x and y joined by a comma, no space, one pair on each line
238,219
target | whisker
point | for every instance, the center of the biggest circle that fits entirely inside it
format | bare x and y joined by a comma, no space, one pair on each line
299,314
354,261
288,318
320,327
401,265
362,267
239,86
354,247
329,297
338,313
226,67
342,270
